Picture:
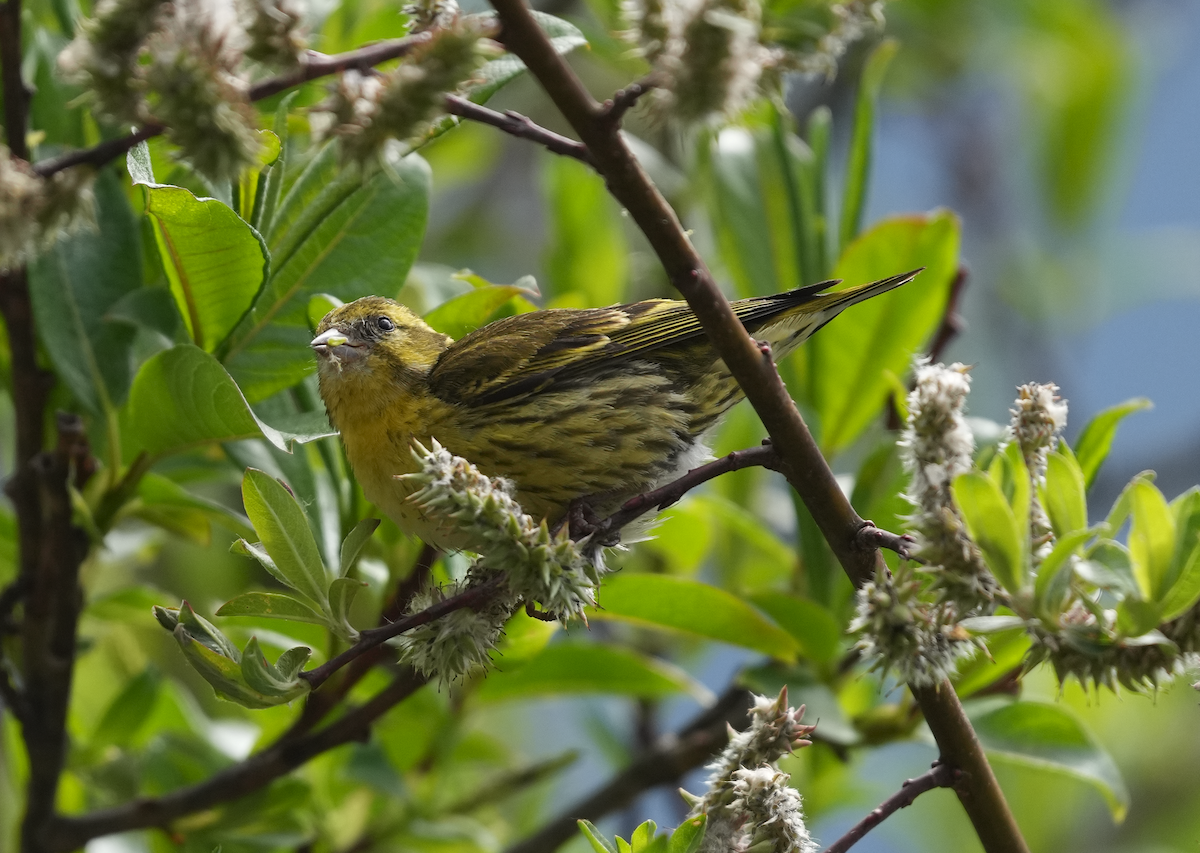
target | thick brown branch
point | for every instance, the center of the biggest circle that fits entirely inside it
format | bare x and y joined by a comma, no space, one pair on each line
978,790
673,757
373,637
52,603
256,772
941,776
520,126
754,371
804,467
315,66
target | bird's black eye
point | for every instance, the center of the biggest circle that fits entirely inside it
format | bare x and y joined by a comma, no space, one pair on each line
385,324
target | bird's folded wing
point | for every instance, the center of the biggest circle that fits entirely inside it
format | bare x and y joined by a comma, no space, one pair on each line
527,353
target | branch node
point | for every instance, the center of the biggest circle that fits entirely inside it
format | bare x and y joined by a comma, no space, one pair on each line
869,537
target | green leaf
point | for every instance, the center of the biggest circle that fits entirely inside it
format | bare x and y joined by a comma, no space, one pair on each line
858,160
688,836
126,714
582,667
1136,617
272,605
1097,437
158,492
586,256
813,627
749,208
645,839
992,526
1064,495
1186,590
342,593
1151,540
284,531
182,398
320,305
150,308
1122,505
336,232
74,284
215,263
1051,587
354,542
468,311
847,366
694,607
595,837
266,197
1005,653
264,678
292,661
254,179
1050,737
1108,565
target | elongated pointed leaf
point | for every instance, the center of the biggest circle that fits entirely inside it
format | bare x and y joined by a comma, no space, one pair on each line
688,836
858,163
335,232
354,542
74,284
1151,540
284,531
1064,495
1051,738
1186,590
1097,437
748,205
342,593
214,261
694,607
261,676
468,311
813,627
1054,577
182,398
847,364
272,605
595,837
991,523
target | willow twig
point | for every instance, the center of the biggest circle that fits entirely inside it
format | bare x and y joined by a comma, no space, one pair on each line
519,126
941,776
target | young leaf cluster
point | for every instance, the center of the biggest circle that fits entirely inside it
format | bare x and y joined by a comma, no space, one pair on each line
1104,609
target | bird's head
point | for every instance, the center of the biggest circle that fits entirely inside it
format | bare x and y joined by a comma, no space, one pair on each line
375,339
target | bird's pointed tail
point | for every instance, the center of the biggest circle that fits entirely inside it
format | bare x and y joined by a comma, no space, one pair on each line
832,304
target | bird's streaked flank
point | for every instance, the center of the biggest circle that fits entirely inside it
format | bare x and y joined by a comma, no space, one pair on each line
599,403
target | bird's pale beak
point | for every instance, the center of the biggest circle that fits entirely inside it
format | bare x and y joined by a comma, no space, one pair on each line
336,346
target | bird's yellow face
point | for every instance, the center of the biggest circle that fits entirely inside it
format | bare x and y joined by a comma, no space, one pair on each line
377,336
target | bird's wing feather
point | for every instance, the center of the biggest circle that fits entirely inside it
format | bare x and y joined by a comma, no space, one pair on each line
528,352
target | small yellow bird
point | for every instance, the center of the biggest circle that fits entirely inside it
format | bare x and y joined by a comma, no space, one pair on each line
599,403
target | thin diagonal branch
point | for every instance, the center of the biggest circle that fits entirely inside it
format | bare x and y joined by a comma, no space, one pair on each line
624,99
373,637
256,772
941,776
661,498
520,126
